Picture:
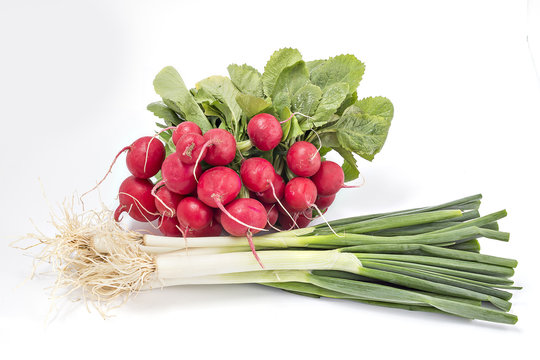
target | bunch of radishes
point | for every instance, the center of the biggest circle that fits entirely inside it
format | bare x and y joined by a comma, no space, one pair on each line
191,202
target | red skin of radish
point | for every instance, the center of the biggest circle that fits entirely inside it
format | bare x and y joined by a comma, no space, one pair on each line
143,208
267,196
217,216
170,199
221,148
187,127
300,193
249,211
272,214
168,226
136,157
178,177
329,179
189,147
213,229
257,174
218,184
303,159
324,202
288,207
264,131
287,224
193,213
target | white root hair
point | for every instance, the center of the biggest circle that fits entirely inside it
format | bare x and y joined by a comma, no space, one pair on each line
94,257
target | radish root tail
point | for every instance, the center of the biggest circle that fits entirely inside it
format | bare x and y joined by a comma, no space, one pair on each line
106,174
252,247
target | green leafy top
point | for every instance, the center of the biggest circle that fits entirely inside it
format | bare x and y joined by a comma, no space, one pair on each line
319,96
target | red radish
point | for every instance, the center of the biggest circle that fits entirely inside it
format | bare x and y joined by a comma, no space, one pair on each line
135,196
284,207
303,159
213,229
189,148
267,196
193,213
218,186
244,217
324,202
257,174
166,201
177,176
329,179
217,216
300,218
145,157
272,214
300,193
221,147
187,127
169,226
264,131
303,219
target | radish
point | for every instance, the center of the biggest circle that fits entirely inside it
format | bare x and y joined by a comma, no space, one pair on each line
214,229
300,193
303,159
221,147
166,201
284,207
187,127
217,216
135,196
323,202
169,226
268,196
272,214
192,213
244,217
300,218
329,179
145,157
257,174
218,186
189,148
177,176
264,131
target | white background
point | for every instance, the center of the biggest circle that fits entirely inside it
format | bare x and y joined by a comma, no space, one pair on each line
75,78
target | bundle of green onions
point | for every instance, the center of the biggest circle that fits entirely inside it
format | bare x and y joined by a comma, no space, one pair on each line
425,259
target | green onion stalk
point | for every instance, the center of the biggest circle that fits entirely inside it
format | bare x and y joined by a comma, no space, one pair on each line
422,259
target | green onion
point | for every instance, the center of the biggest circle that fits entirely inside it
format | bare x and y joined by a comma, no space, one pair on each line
422,259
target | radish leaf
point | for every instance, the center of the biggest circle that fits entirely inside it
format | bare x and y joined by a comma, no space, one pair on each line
278,61
342,68
247,79
332,98
289,81
252,105
164,112
361,133
306,100
379,106
169,85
